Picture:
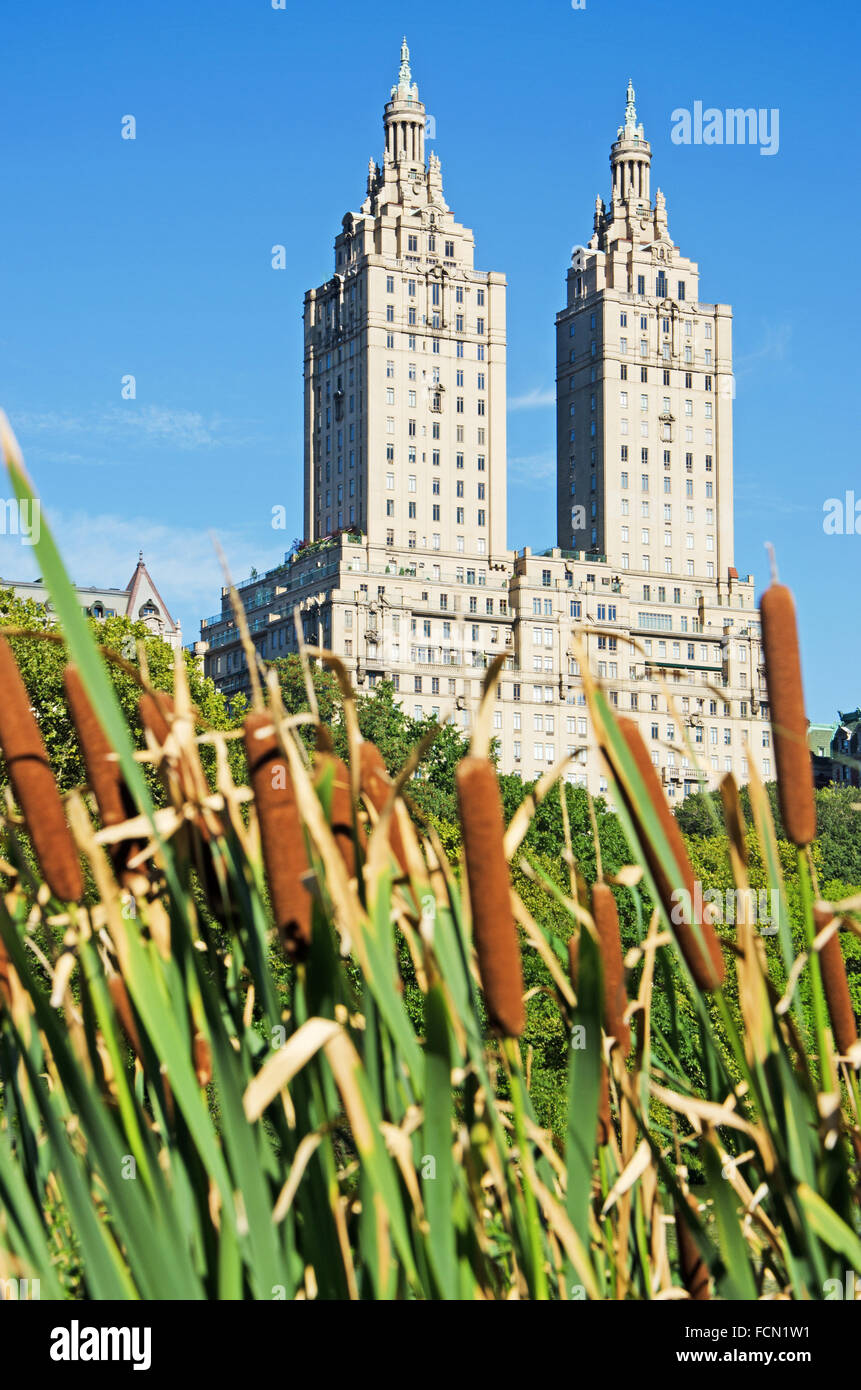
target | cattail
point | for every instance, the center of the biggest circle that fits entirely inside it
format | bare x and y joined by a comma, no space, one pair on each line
34,786
786,699
605,1120
835,984
341,806
376,784
103,770
494,929
706,967
692,1266
284,854
155,708
123,1009
615,999
202,1056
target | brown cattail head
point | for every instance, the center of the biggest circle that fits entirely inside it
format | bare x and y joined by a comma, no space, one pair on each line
103,770
341,815
678,895
835,984
284,854
202,1057
494,929
692,1266
615,999
788,720
34,786
123,1009
156,708
376,784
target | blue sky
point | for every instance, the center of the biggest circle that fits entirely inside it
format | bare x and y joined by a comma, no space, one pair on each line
254,127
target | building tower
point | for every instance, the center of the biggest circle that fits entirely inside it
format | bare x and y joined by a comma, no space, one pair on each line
405,364
407,576
644,390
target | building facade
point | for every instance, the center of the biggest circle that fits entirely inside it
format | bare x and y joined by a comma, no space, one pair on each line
406,573
644,390
405,364
140,600
836,750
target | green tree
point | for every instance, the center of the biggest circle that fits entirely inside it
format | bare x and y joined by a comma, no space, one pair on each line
41,661
838,831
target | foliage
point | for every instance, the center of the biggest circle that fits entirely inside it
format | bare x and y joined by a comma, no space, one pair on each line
41,663
346,1126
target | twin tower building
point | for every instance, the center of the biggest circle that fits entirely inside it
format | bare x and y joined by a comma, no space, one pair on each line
405,570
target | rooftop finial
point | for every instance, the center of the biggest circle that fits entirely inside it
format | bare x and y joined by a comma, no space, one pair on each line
406,89
631,130
405,76
630,108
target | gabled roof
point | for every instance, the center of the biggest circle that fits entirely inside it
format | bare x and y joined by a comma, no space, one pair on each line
141,586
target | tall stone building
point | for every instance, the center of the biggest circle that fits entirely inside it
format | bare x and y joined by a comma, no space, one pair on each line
405,570
644,389
405,364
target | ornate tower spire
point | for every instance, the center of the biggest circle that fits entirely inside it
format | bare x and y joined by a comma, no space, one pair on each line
404,119
630,110
405,89
630,159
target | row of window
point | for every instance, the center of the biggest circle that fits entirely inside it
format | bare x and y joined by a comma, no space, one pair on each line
480,544
460,514
460,346
413,246
644,477
413,320
412,456
435,285
435,378
645,405
436,485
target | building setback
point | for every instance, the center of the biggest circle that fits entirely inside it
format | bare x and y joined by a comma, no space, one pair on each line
405,572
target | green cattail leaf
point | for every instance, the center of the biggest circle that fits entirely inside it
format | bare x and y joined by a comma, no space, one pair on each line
438,1184
737,1280
584,1086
